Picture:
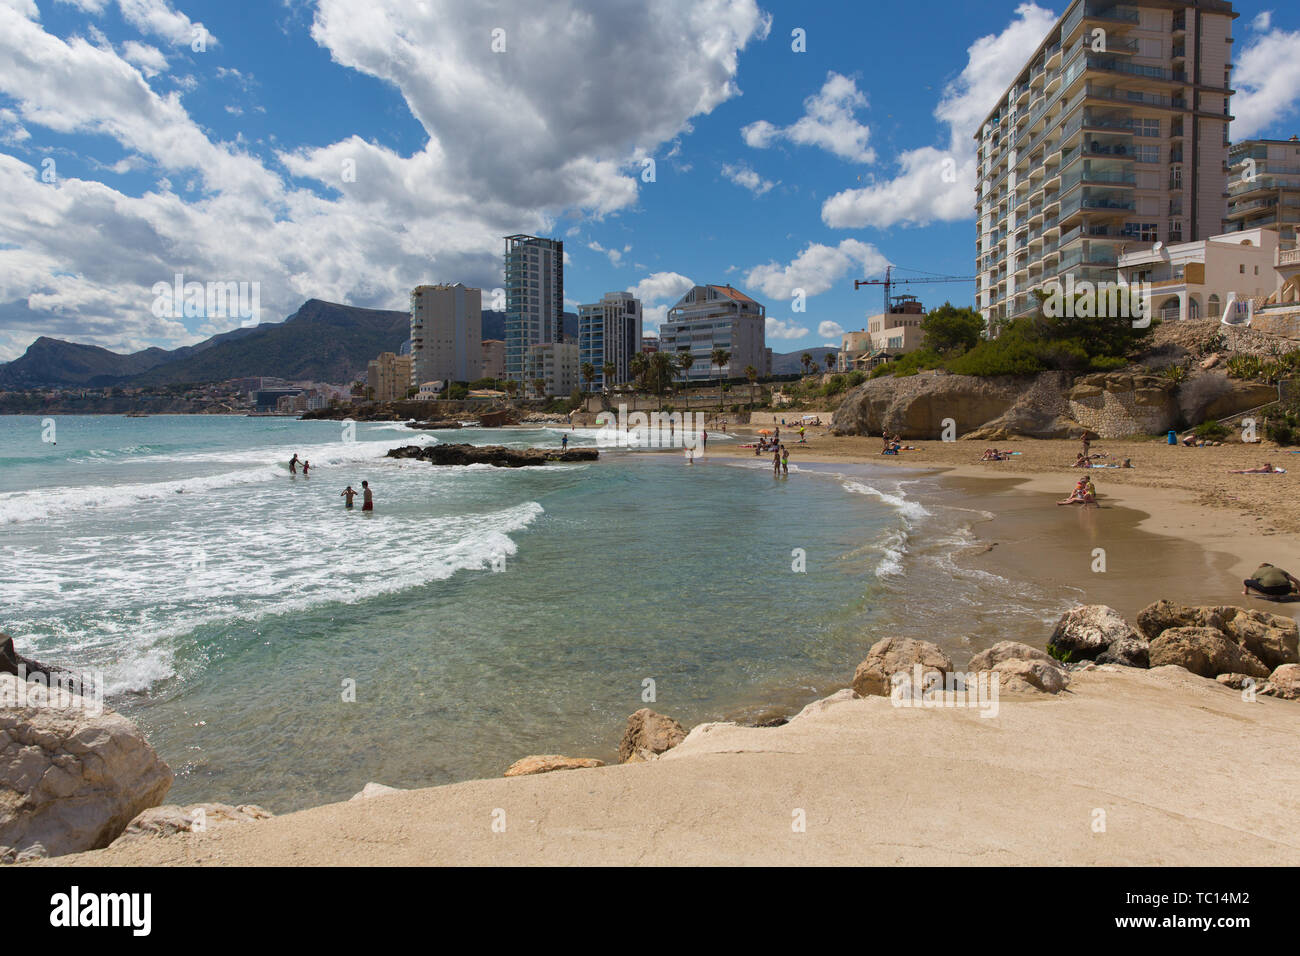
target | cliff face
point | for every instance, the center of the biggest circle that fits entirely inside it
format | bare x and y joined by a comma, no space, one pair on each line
1048,405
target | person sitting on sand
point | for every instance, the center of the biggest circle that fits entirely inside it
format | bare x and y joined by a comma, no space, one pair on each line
1089,493
1190,440
1270,582
1079,496
1264,469
1080,461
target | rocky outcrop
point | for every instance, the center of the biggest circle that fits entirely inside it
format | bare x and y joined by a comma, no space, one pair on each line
1206,651
916,406
545,763
11,662
1272,639
648,735
1127,652
71,776
373,789
986,660
1116,404
1284,682
874,676
1086,631
434,425
171,819
497,455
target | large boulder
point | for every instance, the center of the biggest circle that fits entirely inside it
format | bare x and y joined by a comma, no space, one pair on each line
892,655
648,735
1284,682
545,763
1032,676
72,775
1206,651
987,659
1128,652
1161,615
199,818
1273,639
1089,629
917,406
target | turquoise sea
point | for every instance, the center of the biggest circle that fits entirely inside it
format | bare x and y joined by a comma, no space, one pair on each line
477,616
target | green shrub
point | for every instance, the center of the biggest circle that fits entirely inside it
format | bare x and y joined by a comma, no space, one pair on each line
1176,374
1065,657
1212,431
856,378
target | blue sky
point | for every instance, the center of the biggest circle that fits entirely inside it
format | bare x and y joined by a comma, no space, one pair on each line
774,170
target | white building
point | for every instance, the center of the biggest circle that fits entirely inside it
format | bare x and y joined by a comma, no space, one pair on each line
446,333
556,363
1192,280
534,273
712,317
609,332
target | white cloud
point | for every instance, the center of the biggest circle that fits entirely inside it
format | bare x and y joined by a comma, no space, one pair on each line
514,143
742,175
156,17
816,269
615,255
1267,81
829,330
1263,20
780,329
657,293
828,122
934,184
148,58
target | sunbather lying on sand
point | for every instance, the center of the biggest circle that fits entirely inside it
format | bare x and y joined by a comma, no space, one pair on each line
1264,469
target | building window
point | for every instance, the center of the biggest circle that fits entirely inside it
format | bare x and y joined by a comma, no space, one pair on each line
1147,154
1147,127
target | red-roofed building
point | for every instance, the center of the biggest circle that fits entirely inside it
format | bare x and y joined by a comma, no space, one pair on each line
712,317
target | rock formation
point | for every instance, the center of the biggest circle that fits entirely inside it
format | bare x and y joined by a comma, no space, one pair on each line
893,655
1088,630
497,455
648,734
171,819
545,763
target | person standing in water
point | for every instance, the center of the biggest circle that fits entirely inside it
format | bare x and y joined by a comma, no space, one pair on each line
705,433
785,460
776,458
564,443
293,464
348,493
368,499
306,467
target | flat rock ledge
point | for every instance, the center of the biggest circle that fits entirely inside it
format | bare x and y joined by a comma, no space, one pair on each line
546,763
171,819
496,455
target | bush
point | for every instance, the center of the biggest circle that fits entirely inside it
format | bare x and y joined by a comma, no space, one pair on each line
856,378
1212,431
1282,427
1176,374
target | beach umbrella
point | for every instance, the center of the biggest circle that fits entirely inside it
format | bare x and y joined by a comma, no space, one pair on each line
765,431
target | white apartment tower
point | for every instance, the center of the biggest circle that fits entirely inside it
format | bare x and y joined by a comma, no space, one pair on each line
609,333
712,317
1114,135
446,334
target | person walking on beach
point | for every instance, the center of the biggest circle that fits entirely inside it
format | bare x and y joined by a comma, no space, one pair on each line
348,494
1270,582
293,464
368,499
785,460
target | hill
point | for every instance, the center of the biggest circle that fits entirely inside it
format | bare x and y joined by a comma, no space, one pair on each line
787,363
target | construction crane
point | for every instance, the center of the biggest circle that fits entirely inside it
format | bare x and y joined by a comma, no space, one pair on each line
889,282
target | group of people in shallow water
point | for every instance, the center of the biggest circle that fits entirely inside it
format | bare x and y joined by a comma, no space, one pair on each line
348,493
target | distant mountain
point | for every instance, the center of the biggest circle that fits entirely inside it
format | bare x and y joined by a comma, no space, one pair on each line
787,363
50,361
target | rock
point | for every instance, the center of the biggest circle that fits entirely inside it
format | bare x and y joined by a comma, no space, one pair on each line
1270,637
1158,617
1238,681
891,655
1019,676
1206,651
199,818
1008,651
373,789
545,763
11,662
647,735
497,455
1210,360
1087,630
818,706
1284,682
71,776
1128,652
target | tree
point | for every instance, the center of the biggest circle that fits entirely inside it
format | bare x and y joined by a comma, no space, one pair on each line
609,369
951,331
720,357
684,362
751,373
539,387
806,360
588,374
511,387
639,365
830,361
659,374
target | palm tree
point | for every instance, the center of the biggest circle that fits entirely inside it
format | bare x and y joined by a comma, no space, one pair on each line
720,357
588,374
660,373
639,366
830,361
539,386
684,362
751,373
610,370
511,387
806,360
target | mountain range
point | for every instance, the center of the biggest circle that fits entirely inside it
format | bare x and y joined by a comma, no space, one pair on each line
321,342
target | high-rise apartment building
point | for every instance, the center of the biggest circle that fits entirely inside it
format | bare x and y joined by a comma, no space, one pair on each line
446,334
712,317
555,365
389,377
494,358
1114,134
609,332
534,297
1264,187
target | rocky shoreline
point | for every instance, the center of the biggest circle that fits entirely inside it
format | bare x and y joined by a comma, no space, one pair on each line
86,780
497,455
